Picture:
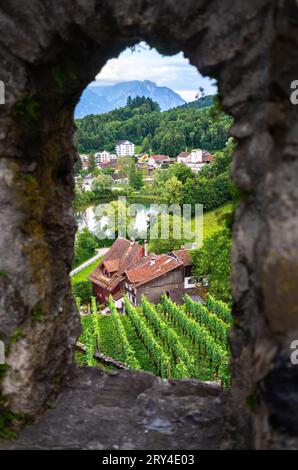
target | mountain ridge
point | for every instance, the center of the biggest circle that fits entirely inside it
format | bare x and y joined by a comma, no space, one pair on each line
97,99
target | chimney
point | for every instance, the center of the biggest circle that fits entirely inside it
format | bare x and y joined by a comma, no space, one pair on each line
152,261
145,248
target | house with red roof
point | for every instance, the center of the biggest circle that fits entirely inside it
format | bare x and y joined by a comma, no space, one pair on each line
108,278
156,161
128,269
196,159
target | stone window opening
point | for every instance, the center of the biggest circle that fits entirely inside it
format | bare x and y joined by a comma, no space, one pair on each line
47,64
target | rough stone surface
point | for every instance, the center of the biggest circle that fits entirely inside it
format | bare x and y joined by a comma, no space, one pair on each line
127,410
49,51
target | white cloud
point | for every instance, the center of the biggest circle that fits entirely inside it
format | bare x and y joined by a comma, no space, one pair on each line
144,63
187,95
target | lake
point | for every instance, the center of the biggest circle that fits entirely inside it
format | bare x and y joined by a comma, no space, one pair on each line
102,222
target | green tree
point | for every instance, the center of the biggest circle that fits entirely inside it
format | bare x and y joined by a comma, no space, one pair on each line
159,179
146,144
85,245
214,261
135,178
173,193
172,241
181,171
83,290
91,162
102,185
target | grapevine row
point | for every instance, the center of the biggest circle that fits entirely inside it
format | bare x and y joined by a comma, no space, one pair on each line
219,308
88,339
215,357
127,350
216,327
169,337
160,359
95,323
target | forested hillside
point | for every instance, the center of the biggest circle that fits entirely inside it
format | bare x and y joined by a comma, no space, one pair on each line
166,132
203,102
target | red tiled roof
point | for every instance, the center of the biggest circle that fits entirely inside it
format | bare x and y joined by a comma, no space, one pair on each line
207,156
151,267
159,157
183,256
183,155
120,256
111,265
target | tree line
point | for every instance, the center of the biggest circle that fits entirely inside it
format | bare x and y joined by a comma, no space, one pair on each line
168,132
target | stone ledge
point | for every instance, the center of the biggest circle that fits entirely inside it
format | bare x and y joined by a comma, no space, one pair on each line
128,410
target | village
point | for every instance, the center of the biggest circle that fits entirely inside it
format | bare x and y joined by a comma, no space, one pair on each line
154,302
128,269
195,159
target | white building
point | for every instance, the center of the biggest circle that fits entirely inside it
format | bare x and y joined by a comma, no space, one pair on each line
104,156
195,160
157,160
84,160
125,148
87,182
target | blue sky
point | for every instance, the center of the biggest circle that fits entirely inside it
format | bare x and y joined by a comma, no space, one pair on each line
144,63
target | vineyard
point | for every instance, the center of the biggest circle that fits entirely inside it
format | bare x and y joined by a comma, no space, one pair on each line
189,341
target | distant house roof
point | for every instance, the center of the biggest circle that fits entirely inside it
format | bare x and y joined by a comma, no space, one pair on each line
119,257
106,164
124,142
183,155
159,158
151,267
183,255
118,295
207,156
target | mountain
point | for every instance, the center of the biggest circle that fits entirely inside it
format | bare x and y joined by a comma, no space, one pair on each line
101,99
91,103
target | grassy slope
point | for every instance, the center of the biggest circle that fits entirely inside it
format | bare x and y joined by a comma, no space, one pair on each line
83,275
212,222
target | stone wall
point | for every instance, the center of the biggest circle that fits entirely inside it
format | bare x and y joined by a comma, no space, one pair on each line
49,52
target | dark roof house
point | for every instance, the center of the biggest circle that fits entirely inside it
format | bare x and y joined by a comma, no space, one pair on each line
128,269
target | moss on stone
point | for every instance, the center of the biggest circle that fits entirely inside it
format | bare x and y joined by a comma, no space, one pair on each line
36,315
16,336
252,401
62,74
26,108
10,421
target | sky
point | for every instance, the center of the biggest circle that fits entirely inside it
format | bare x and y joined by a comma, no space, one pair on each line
144,63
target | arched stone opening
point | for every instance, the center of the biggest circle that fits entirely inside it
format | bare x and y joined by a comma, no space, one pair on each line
48,58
